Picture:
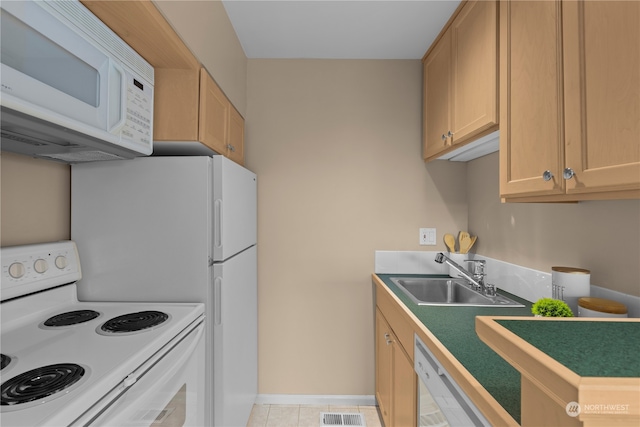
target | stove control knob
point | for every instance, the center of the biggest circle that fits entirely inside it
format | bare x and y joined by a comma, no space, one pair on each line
40,266
16,270
61,262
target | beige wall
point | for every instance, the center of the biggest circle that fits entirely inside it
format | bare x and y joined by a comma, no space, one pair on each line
35,205
336,146
205,27
601,236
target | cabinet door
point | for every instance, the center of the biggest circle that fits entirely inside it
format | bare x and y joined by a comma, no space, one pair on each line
475,70
437,97
214,114
236,137
531,111
383,367
404,389
602,94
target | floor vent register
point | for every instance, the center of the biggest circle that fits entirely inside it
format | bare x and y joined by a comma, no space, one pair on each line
341,419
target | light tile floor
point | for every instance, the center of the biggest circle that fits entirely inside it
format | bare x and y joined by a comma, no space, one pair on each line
305,415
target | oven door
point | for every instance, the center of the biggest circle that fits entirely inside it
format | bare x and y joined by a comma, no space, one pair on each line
168,390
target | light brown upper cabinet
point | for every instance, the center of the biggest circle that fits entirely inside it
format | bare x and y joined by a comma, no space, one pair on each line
213,118
190,110
144,28
236,136
190,107
460,80
570,100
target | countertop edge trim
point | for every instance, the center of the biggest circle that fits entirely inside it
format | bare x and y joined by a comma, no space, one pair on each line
532,363
541,369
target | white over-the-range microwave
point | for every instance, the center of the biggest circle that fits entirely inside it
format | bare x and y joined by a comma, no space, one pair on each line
71,89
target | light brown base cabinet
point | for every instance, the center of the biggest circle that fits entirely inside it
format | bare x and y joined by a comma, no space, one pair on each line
396,380
570,100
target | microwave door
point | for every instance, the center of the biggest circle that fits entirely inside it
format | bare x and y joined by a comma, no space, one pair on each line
44,76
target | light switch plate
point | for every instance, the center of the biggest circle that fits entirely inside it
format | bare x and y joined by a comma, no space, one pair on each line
427,237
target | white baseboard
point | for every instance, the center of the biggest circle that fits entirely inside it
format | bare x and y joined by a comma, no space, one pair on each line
310,399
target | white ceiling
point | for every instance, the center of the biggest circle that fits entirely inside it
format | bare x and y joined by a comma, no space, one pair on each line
338,29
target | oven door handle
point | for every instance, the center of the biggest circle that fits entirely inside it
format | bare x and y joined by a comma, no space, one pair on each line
96,410
133,377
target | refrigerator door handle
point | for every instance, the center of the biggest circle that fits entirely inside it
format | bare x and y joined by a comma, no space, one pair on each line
217,230
217,289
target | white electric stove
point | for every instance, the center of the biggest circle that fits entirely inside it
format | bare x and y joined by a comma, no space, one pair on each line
72,363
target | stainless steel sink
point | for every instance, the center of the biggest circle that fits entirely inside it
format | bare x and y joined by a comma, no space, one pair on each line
448,292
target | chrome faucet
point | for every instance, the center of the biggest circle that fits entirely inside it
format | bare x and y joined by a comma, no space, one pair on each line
476,278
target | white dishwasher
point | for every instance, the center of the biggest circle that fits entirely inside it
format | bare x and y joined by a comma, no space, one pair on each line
441,402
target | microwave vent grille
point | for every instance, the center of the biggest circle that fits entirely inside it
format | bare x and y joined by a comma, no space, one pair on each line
82,156
22,139
31,139
86,21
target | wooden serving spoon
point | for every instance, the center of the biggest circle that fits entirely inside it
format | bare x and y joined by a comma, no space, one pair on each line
464,240
450,242
473,241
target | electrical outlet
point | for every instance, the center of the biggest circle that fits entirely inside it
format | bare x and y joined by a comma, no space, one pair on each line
427,237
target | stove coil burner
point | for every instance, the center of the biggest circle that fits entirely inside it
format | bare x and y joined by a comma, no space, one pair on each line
71,318
5,360
133,322
39,383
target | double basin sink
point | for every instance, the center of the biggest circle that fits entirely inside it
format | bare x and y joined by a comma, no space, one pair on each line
448,292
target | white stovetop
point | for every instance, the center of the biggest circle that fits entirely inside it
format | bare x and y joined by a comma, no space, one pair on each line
106,359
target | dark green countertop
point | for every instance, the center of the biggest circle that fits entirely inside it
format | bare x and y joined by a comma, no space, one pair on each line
455,329
585,347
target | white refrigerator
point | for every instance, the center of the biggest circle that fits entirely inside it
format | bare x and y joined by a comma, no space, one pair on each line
178,229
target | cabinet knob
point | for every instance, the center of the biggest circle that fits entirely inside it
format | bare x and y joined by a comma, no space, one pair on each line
568,173
444,137
449,134
547,175
231,148
387,338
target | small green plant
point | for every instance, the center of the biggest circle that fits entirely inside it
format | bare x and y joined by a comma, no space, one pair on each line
549,307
